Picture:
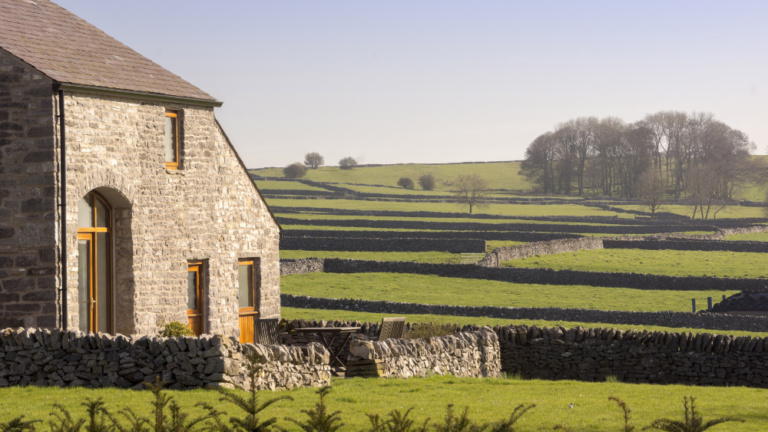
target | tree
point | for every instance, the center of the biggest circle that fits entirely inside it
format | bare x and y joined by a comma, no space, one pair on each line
347,163
651,187
405,183
295,170
427,182
471,190
313,160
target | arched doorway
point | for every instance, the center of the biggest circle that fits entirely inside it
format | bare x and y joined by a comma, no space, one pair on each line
94,246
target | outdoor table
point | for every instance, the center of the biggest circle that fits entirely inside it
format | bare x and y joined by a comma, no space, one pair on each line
332,333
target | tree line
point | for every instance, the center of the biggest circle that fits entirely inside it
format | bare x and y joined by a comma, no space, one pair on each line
691,155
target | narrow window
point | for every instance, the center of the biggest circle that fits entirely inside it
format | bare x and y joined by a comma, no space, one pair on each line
171,140
195,297
249,282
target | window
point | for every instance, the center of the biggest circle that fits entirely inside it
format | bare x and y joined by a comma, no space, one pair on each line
195,297
94,288
171,140
249,284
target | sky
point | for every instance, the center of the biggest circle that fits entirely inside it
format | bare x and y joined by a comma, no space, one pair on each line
446,81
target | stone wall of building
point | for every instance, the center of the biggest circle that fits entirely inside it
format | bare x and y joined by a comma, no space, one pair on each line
374,244
45,357
465,354
27,197
701,320
634,357
208,210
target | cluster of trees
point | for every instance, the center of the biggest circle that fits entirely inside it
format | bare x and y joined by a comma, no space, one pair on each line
314,161
691,155
426,181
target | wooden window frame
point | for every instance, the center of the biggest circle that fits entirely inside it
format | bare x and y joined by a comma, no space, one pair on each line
197,267
176,133
254,285
89,234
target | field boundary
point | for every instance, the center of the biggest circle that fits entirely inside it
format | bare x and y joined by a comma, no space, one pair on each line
400,244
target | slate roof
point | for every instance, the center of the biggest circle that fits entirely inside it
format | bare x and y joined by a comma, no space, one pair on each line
69,50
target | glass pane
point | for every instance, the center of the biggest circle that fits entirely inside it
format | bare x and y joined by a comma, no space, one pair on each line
83,276
245,285
102,213
102,283
85,212
170,139
192,289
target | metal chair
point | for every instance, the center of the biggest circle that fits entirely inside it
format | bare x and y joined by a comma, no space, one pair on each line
267,331
391,328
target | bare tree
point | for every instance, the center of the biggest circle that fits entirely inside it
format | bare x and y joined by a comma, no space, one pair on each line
427,182
347,163
651,187
405,183
314,160
295,170
471,190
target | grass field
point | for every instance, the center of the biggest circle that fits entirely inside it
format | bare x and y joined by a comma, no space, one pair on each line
492,209
410,288
488,399
728,212
330,315
490,222
748,237
499,175
422,257
264,184
663,262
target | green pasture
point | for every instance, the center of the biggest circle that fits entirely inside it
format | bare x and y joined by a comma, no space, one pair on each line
748,237
330,315
491,245
499,175
728,212
397,190
266,184
490,222
422,257
491,209
428,289
287,228
663,262
489,399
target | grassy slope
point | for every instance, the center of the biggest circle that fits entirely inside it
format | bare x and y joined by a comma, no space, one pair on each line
411,288
292,185
748,237
492,209
500,175
728,212
666,262
311,216
489,400
330,315
422,257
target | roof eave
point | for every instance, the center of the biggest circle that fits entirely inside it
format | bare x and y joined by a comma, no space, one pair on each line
138,95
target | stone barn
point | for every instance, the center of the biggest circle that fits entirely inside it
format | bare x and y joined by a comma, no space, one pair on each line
123,204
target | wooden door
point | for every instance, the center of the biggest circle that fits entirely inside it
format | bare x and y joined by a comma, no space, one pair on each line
247,280
94,264
195,298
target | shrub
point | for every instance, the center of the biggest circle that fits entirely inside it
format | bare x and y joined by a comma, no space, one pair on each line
295,170
347,163
18,425
405,183
691,422
313,160
427,182
175,329
319,418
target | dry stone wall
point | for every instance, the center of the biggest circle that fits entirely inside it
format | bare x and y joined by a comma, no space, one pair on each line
465,354
383,245
45,357
634,357
28,191
485,235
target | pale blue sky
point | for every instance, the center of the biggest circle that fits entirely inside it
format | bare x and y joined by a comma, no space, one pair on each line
446,81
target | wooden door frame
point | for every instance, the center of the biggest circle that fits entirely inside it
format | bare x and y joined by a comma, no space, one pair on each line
90,235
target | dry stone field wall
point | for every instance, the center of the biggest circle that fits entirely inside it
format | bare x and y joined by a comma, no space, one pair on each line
374,244
69,359
539,276
485,235
712,321
634,357
465,354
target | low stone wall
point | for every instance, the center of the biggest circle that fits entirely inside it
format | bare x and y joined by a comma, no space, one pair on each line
474,354
70,359
702,320
634,357
486,235
689,245
478,226
301,266
473,245
552,247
